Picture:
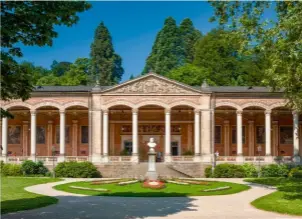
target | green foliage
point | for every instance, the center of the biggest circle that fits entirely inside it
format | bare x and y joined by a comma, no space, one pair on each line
78,73
188,153
297,174
30,167
37,28
76,170
9,169
228,171
59,68
167,51
250,170
279,40
274,170
208,172
125,152
191,75
294,170
106,65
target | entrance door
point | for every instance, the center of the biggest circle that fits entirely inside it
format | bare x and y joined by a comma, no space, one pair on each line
175,145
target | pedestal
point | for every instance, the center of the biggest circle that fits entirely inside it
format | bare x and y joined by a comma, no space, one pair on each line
151,173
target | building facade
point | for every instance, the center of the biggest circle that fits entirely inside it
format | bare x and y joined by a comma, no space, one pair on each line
110,125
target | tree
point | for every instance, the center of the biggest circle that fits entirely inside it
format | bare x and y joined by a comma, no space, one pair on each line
279,40
220,55
78,73
131,77
191,75
48,80
189,36
30,23
36,72
105,63
59,68
167,52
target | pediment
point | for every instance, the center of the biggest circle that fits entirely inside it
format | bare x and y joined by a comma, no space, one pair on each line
152,84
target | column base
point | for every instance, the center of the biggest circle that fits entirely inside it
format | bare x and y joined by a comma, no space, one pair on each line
168,158
105,159
3,158
134,158
268,158
96,158
32,157
197,158
239,158
297,159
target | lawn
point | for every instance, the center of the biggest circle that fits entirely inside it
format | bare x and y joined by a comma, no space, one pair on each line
136,189
288,198
15,198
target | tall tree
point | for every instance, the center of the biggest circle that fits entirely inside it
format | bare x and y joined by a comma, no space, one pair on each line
167,51
105,63
78,74
189,35
59,68
219,54
278,39
29,23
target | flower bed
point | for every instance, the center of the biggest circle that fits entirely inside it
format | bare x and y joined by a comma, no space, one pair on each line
153,184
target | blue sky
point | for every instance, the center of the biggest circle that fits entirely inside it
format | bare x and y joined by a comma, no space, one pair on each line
133,27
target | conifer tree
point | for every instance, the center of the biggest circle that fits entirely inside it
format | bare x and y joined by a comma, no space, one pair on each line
167,51
106,65
189,36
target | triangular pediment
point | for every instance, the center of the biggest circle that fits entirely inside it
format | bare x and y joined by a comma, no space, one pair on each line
152,84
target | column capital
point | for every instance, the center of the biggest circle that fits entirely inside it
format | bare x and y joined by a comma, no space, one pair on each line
33,112
239,112
62,111
74,121
105,111
275,122
50,122
251,122
134,110
226,122
25,122
295,113
266,112
197,111
168,110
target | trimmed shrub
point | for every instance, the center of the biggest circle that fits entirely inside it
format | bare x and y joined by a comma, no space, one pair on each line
274,170
297,174
293,170
208,172
9,169
229,171
250,170
76,170
30,167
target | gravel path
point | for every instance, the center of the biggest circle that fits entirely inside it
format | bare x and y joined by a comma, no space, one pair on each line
74,206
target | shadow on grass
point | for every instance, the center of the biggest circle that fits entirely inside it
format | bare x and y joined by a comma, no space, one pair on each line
26,204
96,207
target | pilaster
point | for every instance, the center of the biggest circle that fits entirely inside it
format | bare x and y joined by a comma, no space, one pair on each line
75,138
96,126
251,144
168,135
25,138
33,125
226,127
49,137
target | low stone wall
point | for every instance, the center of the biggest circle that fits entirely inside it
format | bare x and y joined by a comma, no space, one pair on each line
191,169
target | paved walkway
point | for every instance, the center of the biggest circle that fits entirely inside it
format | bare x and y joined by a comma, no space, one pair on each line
73,206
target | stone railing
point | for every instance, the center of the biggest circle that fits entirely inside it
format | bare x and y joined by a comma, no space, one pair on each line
77,158
182,158
226,159
15,159
119,158
47,160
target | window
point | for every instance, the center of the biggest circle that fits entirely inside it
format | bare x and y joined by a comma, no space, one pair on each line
14,134
260,134
174,146
217,134
58,134
41,139
286,135
128,147
84,134
234,135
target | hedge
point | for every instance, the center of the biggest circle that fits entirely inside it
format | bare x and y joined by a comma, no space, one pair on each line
274,170
30,167
228,171
10,169
74,169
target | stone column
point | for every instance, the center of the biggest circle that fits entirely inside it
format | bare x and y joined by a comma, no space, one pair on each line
167,135
296,136
197,135
25,138
74,137
105,135
275,140
4,136
49,137
226,126
239,133
268,133
33,140
251,143
96,125
134,135
62,136
206,139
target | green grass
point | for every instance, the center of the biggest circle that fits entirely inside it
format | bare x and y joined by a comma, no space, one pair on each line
15,198
288,198
136,189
